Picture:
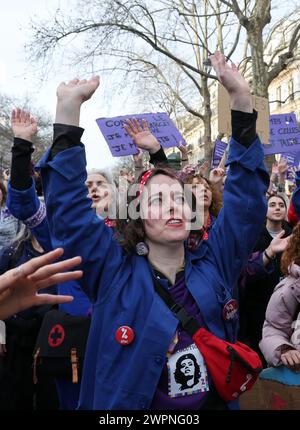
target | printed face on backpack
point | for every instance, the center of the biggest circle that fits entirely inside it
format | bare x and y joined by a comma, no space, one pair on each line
187,372
164,210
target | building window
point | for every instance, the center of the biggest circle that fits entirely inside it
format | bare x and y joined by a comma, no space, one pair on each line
291,89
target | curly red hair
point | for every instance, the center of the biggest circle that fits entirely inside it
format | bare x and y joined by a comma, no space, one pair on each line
292,252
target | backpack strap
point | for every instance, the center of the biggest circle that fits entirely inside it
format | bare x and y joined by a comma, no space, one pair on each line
187,321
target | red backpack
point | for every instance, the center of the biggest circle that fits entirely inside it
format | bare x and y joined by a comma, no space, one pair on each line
234,367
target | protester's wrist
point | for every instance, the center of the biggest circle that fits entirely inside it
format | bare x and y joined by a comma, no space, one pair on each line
68,111
241,102
24,136
269,253
155,149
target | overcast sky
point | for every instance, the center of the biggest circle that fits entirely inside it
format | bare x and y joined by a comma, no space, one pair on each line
17,78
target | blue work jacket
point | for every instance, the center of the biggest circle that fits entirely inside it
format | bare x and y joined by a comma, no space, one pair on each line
121,286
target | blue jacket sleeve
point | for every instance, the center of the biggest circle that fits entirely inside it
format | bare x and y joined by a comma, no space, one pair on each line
74,225
27,207
238,226
296,195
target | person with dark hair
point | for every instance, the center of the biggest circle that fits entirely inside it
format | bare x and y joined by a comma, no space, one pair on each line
280,342
262,272
133,333
211,203
207,200
187,372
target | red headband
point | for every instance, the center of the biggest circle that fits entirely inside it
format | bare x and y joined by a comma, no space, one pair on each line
143,181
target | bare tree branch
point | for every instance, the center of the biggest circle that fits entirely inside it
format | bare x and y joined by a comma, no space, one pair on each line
283,58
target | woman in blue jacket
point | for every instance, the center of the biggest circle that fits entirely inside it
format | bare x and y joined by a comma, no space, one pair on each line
135,340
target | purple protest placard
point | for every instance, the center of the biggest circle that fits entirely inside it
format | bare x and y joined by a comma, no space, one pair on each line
293,161
284,134
121,144
219,149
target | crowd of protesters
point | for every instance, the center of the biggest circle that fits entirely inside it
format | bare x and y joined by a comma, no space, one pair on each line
224,243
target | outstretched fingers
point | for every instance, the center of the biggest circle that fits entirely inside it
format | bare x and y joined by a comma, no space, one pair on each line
49,270
34,264
52,299
130,128
145,125
58,278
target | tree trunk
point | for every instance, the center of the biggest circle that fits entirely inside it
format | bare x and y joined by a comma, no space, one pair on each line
259,67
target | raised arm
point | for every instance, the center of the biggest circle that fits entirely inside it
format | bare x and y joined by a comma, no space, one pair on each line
239,223
73,223
22,198
24,128
262,264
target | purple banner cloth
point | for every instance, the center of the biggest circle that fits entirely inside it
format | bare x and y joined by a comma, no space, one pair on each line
219,149
121,144
284,134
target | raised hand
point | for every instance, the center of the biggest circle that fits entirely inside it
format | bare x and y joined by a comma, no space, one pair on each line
19,287
184,152
282,166
216,175
202,170
78,90
70,97
23,125
138,160
141,135
189,169
278,244
236,85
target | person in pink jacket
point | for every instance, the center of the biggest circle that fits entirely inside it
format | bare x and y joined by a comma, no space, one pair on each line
280,343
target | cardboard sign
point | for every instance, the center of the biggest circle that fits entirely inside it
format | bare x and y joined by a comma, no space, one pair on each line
121,144
260,104
284,134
